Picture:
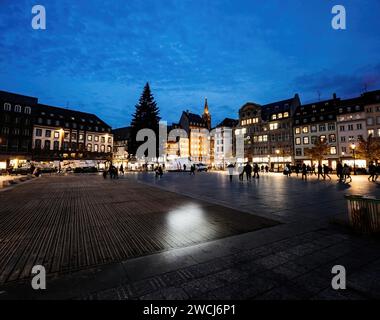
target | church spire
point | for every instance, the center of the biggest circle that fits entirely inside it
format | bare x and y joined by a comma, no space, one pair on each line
206,107
206,115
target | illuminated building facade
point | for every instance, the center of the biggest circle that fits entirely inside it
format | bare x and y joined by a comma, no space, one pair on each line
316,121
223,143
351,127
16,126
121,138
269,132
62,134
372,110
197,128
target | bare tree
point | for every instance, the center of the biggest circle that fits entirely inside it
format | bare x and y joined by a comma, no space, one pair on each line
369,149
318,152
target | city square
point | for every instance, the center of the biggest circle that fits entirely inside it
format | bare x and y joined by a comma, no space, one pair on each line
189,158
185,237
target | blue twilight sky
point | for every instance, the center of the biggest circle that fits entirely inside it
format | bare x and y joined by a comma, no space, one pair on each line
96,56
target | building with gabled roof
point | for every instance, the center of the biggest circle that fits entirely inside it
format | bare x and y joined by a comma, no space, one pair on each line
197,128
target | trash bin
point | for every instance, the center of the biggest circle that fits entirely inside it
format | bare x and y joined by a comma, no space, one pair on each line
364,213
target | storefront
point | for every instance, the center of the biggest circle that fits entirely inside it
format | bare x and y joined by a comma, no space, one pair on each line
330,163
358,163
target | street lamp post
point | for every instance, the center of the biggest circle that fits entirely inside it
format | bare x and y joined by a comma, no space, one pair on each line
353,147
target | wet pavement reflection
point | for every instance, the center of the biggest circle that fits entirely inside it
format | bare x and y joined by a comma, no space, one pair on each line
75,222
273,195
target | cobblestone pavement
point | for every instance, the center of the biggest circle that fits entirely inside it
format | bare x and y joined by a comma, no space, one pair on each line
298,267
292,260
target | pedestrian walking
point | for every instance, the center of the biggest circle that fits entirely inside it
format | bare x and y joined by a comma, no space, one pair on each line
256,171
326,171
297,169
192,170
159,172
347,173
339,171
289,169
241,174
313,170
372,172
304,172
121,169
248,171
377,171
320,172
231,169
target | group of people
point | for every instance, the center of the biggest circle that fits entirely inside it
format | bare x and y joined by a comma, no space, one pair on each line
192,169
374,171
159,172
322,171
246,171
113,171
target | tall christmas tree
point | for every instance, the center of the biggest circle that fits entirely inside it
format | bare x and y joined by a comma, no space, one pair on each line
146,116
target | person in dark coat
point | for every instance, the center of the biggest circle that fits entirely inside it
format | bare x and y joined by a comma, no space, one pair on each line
339,171
372,172
192,170
297,169
326,171
304,171
256,171
248,171
320,172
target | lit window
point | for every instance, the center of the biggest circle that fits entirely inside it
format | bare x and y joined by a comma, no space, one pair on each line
273,126
305,140
305,129
333,150
286,114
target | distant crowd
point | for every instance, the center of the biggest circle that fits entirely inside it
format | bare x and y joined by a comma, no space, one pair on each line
322,171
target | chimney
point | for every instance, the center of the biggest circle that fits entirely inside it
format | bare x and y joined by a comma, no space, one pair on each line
334,96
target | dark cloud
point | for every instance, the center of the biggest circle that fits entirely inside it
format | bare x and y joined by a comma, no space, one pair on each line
327,82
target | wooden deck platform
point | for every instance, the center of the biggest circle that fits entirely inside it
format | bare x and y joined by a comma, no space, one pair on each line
69,223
